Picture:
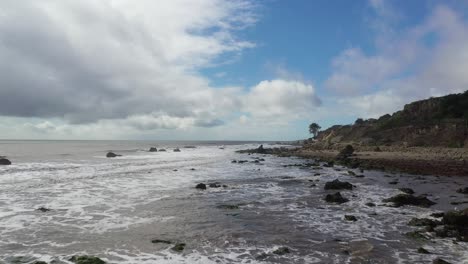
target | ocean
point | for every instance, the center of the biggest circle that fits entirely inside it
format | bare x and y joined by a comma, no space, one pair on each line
113,208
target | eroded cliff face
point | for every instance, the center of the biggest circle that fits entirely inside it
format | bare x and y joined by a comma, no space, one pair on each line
441,121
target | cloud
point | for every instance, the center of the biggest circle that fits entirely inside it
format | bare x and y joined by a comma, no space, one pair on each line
281,99
428,59
86,61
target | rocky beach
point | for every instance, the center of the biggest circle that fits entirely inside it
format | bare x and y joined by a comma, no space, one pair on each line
218,203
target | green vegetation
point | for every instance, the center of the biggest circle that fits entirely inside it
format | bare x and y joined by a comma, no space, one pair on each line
314,128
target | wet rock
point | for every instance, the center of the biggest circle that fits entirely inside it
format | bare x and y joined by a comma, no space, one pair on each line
406,190
176,150
86,260
201,186
423,222
112,155
4,161
360,176
370,204
352,173
39,262
393,182
338,185
282,251
350,218
214,185
439,261
43,209
234,161
190,147
262,256
228,206
153,149
463,190
438,215
179,247
456,218
192,169
242,161
408,199
261,149
422,250
416,235
160,241
336,198
329,164
162,150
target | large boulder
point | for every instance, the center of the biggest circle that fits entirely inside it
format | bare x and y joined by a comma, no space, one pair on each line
335,198
112,155
153,149
201,186
4,161
409,199
338,185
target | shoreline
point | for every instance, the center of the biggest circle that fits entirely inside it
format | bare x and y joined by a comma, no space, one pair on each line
412,160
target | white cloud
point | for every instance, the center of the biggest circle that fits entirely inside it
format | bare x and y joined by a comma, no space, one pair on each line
86,61
429,59
281,100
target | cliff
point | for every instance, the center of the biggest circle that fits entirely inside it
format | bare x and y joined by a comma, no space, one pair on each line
440,121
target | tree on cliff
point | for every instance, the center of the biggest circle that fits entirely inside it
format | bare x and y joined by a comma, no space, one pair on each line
314,128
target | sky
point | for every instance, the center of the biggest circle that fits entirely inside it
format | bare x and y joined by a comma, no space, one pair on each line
219,69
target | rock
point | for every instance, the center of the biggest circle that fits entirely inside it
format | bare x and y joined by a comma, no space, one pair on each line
112,155
456,218
437,215
338,185
407,190
162,150
377,149
214,185
262,256
201,186
393,182
228,206
282,251
4,161
39,262
408,199
422,250
261,150
179,247
370,204
329,164
86,260
153,149
192,169
160,241
335,198
350,218
43,209
176,150
346,152
190,147
423,222
352,173
463,190
416,235
234,161
439,261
